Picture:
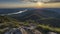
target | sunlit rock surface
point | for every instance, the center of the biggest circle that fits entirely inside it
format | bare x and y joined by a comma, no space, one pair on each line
22,30
13,31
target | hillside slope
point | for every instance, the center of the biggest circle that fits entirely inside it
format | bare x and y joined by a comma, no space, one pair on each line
40,16
10,25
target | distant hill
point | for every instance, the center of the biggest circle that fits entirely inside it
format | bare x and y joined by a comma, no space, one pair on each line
41,12
41,16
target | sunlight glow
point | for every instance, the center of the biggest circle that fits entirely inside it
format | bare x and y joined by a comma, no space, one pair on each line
40,4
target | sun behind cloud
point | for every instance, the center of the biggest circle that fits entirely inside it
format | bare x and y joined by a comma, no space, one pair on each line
40,4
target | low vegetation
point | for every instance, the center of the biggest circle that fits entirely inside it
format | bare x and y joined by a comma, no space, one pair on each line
6,22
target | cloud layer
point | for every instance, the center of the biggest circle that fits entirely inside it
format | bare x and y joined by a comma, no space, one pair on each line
26,0
28,4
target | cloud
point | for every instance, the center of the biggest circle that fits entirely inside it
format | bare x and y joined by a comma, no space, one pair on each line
20,1
27,4
52,5
47,0
10,1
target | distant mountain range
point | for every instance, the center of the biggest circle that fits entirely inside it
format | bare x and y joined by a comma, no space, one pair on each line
12,10
46,13
43,16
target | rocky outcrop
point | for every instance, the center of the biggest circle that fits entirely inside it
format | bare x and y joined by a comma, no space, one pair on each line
22,30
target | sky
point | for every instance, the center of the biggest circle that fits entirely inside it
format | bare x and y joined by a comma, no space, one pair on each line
29,4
